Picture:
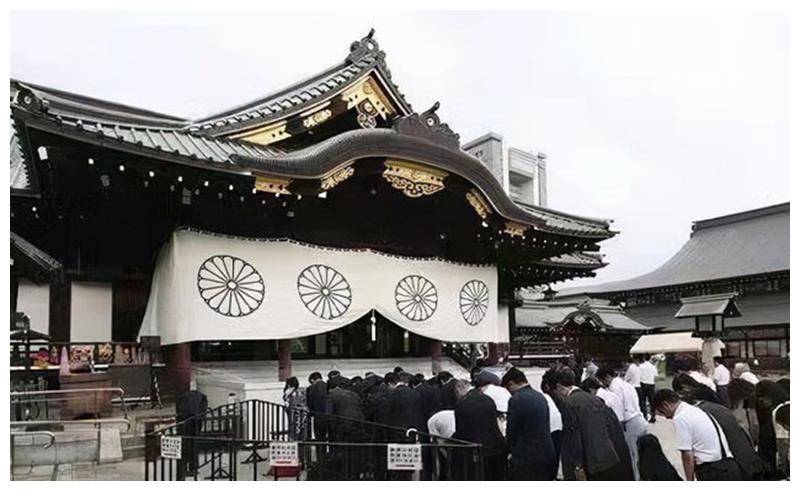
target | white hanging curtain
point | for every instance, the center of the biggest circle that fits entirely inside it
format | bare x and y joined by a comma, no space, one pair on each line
208,287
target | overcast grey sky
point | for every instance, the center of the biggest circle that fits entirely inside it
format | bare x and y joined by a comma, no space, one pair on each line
651,120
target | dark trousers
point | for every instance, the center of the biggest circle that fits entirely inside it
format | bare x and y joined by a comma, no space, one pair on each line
646,393
556,437
534,471
721,470
494,467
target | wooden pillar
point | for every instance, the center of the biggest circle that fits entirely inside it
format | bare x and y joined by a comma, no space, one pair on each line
284,359
493,355
179,367
60,306
436,356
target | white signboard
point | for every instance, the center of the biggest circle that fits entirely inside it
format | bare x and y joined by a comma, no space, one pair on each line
283,454
170,447
209,287
404,457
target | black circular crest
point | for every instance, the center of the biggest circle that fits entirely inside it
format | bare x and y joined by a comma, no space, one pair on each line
416,298
474,301
324,291
230,286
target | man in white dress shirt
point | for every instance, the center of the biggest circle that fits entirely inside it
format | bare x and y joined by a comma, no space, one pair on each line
722,377
704,449
633,421
649,373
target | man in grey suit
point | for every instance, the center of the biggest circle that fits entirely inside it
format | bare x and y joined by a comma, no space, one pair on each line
587,449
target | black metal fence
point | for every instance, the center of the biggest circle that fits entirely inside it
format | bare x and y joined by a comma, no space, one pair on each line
232,442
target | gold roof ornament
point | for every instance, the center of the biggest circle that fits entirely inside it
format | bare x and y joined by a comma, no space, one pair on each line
515,229
414,180
478,202
273,185
337,177
265,135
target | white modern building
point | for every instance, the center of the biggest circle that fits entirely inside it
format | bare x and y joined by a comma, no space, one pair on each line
523,174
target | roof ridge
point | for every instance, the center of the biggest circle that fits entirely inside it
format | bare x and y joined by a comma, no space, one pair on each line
740,216
75,100
569,216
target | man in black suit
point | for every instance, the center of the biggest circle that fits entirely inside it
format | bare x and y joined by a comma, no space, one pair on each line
405,404
533,457
447,392
587,449
429,395
476,422
316,399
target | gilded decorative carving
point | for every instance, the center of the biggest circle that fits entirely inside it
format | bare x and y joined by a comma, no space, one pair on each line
515,229
414,180
337,177
476,200
317,118
265,135
369,100
272,185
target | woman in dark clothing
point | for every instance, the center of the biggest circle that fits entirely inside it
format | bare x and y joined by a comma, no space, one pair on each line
784,384
690,390
768,396
742,395
653,464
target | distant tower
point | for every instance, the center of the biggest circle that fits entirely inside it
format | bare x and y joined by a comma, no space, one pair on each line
522,174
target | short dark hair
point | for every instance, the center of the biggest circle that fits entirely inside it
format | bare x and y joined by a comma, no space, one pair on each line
604,371
405,377
684,380
590,384
443,377
314,377
515,375
333,373
665,396
391,378
565,377
548,381
398,370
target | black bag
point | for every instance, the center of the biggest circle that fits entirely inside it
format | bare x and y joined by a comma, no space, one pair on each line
725,469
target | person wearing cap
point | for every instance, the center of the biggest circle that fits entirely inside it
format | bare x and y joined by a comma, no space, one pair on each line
533,457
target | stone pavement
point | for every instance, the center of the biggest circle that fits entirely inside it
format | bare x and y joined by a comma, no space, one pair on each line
127,470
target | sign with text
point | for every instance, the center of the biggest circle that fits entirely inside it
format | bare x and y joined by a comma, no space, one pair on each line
170,447
404,457
283,454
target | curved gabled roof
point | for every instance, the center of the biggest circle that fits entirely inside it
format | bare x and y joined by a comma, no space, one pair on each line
203,143
365,57
742,244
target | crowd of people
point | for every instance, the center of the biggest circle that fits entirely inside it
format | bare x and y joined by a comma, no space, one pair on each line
584,422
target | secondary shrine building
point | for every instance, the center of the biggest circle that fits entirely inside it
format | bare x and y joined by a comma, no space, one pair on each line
746,254
329,216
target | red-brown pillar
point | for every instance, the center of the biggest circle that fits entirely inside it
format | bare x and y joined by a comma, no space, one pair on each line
436,356
284,359
179,366
493,354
